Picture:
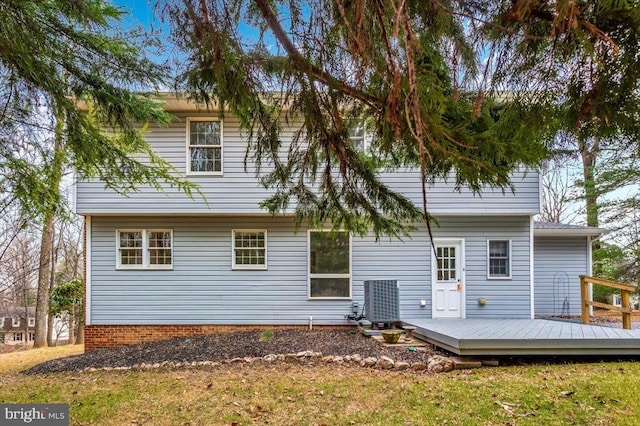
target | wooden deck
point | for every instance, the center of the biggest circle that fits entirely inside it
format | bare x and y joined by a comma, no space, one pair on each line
526,337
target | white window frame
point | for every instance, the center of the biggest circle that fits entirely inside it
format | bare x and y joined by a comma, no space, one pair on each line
146,258
19,335
310,275
234,266
189,146
509,260
15,322
31,336
31,322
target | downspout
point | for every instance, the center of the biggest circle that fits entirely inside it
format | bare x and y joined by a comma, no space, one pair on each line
87,270
590,269
531,267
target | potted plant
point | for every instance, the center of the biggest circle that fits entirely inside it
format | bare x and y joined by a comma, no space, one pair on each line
391,336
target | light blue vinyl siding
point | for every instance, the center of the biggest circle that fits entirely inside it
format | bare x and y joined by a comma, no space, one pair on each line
559,263
505,298
238,191
202,288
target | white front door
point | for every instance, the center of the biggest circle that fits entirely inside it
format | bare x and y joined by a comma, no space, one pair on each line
447,278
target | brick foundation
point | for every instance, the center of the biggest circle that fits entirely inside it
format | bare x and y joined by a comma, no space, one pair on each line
113,336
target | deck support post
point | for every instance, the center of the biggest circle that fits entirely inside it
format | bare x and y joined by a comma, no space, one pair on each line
584,299
626,313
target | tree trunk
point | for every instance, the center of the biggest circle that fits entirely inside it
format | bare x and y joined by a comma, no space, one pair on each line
72,325
42,300
589,157
50,341
80,334
46,242
52,273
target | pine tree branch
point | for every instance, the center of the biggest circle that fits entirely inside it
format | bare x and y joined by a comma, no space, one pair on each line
318,74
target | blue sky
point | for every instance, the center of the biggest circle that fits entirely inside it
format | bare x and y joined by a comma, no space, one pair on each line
140,13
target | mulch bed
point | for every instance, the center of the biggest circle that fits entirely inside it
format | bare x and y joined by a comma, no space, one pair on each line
223,346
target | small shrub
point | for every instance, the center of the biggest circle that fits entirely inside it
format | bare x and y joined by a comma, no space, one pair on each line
266,336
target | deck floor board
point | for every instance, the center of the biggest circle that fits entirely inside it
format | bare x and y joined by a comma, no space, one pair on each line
526,337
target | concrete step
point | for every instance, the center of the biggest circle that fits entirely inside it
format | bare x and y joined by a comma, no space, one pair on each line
465,362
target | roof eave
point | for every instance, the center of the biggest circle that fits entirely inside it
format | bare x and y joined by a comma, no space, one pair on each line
588,232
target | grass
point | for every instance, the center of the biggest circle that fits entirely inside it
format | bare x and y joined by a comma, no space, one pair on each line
266,336
21,360
593,394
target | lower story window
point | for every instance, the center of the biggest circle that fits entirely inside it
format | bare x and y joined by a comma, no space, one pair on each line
329,264
32,336
145,249
17,337
249,249
499,259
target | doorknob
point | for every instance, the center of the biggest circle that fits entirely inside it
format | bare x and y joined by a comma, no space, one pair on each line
459,286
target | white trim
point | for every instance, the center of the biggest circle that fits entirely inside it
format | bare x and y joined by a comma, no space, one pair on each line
146,259
463,279
532,267
31,322
569,232
499,277
349,275
87,251
590,270
188,147
233,251
13,322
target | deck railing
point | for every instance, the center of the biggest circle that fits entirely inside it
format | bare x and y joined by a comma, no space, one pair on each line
625,292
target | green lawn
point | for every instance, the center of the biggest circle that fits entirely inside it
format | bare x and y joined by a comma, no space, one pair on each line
277,394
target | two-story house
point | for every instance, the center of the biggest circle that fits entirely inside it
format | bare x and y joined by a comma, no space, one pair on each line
17,325
160,265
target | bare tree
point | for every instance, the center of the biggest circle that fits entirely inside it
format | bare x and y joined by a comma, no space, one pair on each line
19,268
559,192
69,266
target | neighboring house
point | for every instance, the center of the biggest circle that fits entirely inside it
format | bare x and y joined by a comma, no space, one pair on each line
17,327
616,300
162,265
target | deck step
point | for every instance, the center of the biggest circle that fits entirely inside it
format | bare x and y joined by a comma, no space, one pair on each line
465,362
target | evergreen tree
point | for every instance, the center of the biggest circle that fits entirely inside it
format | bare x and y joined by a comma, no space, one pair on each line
69,100
468,91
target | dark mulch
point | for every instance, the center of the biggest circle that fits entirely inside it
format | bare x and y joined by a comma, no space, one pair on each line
218,347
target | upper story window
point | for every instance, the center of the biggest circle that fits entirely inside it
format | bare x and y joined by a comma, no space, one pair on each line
204,146
329,265
15,322
499,259
249,249
144,249
356,135
32,322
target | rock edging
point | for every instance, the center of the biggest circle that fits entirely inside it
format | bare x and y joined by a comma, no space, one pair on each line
436,363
